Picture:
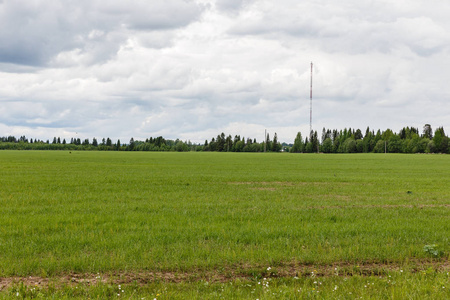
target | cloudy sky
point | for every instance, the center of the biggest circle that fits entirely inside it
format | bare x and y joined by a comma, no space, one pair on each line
191,69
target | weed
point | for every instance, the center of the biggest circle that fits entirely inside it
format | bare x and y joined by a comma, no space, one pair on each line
433,250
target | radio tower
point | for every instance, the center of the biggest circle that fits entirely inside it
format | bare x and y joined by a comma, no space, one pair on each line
310,104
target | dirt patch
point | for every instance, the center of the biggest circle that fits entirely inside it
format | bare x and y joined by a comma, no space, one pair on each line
281,183
337,197
243,272
387,206
275,185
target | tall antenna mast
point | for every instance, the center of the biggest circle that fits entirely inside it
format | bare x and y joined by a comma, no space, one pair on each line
310,104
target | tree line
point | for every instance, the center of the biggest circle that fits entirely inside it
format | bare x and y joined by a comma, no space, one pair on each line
221,143
106,144
407,140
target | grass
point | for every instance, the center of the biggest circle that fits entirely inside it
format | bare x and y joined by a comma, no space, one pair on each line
228,214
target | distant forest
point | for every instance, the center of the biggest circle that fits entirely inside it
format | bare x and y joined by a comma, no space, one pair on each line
407,140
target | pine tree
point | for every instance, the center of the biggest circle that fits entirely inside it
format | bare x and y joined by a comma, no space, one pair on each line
427,131
275,145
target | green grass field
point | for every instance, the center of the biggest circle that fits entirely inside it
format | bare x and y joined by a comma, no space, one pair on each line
211,225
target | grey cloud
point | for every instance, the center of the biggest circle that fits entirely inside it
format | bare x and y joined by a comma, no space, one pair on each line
33,33
230,5
347,27
13,68
160,14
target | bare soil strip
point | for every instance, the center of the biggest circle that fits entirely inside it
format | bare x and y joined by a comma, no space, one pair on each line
284,183
419,206
243,272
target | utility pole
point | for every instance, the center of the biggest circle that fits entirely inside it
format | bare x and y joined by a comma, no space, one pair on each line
265,139
310,105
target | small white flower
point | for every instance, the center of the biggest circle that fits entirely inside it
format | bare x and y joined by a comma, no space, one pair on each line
17,294
268,269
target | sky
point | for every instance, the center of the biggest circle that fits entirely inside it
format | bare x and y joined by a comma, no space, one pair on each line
192,69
